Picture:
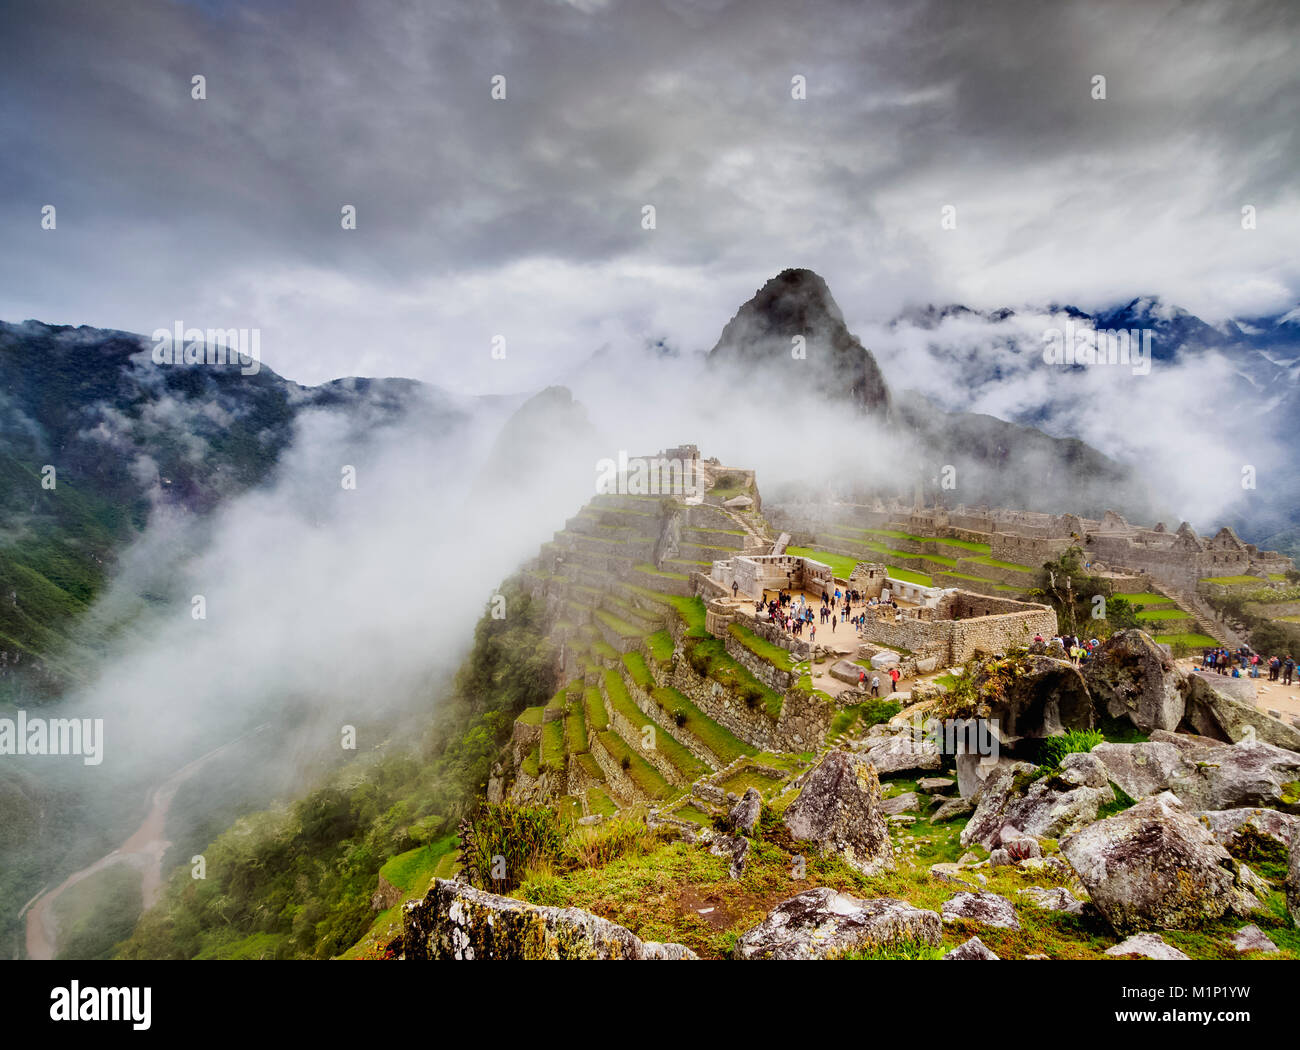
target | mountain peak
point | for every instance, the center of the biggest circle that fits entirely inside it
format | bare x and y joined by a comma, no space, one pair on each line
793,331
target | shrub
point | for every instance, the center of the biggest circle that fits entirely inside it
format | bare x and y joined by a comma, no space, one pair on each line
527,837
1075,741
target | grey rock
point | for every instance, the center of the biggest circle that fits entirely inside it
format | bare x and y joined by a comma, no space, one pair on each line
745,813
1056,898
1231,827
1146,946
822,923
973,772
908,802
839,809
1211,713
1251,939
972,949
951,809
1046,807
456,921
958,876
734,848
901,754
986,908
935,785
1293,882
1156,865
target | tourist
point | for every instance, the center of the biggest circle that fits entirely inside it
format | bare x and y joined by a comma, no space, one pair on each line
894,676
735,588
875,685
1274,665
1288,669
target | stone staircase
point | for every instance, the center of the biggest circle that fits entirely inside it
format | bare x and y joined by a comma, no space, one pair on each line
1207,622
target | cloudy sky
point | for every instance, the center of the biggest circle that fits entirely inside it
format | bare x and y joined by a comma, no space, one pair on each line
522,217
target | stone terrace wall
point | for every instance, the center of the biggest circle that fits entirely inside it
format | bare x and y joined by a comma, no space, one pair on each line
997,633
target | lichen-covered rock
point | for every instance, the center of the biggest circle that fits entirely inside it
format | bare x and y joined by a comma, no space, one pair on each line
1039,806
839,810
1057,898
1156,865
1047,696
1205,774
986,908
972,949
1146,946
822,923
457,921
935,785
385,896
1133,678
1248,830
744,814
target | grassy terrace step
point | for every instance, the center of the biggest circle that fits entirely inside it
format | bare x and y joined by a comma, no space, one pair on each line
1164,614
553,752
594,709
712,655
575,730
619,626
1233,581
598,801
984,559
603,649
624,610
531,716
533,763
590,766
760,647
721,741
647,779
681,759
558,701
1148,598
637,669
660,646
649,570
892,534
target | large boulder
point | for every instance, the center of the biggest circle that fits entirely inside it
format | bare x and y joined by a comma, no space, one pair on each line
1155,864
744,815
457,921
1132,677
973,771
972,949
839,810
1043,697
1206,774
1037,805
900,753
987,909
1211,713
1246,832
822,923
1056,898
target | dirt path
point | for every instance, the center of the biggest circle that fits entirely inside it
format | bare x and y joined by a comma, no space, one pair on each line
144,850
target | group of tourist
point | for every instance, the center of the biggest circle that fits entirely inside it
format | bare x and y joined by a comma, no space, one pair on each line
1241,660
1079,650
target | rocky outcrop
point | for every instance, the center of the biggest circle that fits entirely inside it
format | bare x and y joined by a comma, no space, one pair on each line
1213,714
988,909
385,896
1156,865
1204,773
735,848
952,809
1244,831
1038,805
972,949
907,802
839,810
1045,697
456,921
1146,946
822,923
1130,676
1251,939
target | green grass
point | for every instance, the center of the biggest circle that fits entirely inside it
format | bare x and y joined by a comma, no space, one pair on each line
598,801
716,738
636,668
840,565
690,766
693,813
984,559
650,570
1191,641
532,765
553,751
867,714
1163,614
1231,581
692,613
648,780
1144,598
412,871
558,701
590,766
908,576
575,730
760,647
661,647
604,650
531,716
597,719
711,655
